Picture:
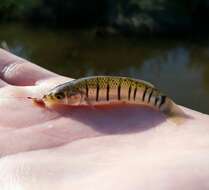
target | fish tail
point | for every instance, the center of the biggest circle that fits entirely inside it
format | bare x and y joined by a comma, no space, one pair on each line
177,115
174,113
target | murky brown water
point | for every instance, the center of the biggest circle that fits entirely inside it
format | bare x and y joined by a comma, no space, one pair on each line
180,68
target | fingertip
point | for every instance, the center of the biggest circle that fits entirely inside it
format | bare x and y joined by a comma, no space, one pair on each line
23,73
18,71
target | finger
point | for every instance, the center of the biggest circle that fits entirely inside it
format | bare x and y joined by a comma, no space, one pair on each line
18,71
2,83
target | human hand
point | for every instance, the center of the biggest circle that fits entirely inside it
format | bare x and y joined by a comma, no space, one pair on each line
84,148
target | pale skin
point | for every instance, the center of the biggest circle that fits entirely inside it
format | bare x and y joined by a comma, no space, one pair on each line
123,147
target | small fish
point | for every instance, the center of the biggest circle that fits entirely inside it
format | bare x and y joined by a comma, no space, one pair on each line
100,90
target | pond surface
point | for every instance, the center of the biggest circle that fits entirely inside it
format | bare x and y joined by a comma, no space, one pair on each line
180,68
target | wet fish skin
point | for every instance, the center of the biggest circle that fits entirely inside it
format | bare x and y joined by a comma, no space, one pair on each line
97,90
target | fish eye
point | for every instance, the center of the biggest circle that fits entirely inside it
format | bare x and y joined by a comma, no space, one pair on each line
59,95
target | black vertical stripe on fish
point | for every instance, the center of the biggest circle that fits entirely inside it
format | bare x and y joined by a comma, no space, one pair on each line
129,92
97,91
135,90
156,100
119,91
150,95
108,90
163,99
144,94
87,90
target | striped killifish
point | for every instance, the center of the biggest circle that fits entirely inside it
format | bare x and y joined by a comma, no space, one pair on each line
98,90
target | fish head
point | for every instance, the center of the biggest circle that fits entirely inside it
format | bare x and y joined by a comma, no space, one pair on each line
62,95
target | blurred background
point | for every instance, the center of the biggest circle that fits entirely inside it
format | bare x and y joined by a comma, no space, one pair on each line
165,42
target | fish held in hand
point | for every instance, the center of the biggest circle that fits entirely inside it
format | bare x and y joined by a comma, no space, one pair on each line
103,90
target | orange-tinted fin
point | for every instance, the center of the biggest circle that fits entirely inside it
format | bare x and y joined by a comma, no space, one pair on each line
37,102
177,115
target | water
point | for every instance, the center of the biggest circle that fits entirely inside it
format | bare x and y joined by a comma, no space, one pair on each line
180,68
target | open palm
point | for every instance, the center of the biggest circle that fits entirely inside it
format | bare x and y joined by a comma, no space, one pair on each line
97,148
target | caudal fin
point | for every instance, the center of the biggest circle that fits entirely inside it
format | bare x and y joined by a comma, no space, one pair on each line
177,115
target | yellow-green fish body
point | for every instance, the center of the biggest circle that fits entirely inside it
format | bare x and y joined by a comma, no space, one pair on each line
97,90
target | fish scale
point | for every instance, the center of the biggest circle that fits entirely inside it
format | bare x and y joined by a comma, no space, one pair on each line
100,90
108,89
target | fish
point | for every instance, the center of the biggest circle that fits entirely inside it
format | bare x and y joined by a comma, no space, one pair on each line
102,90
